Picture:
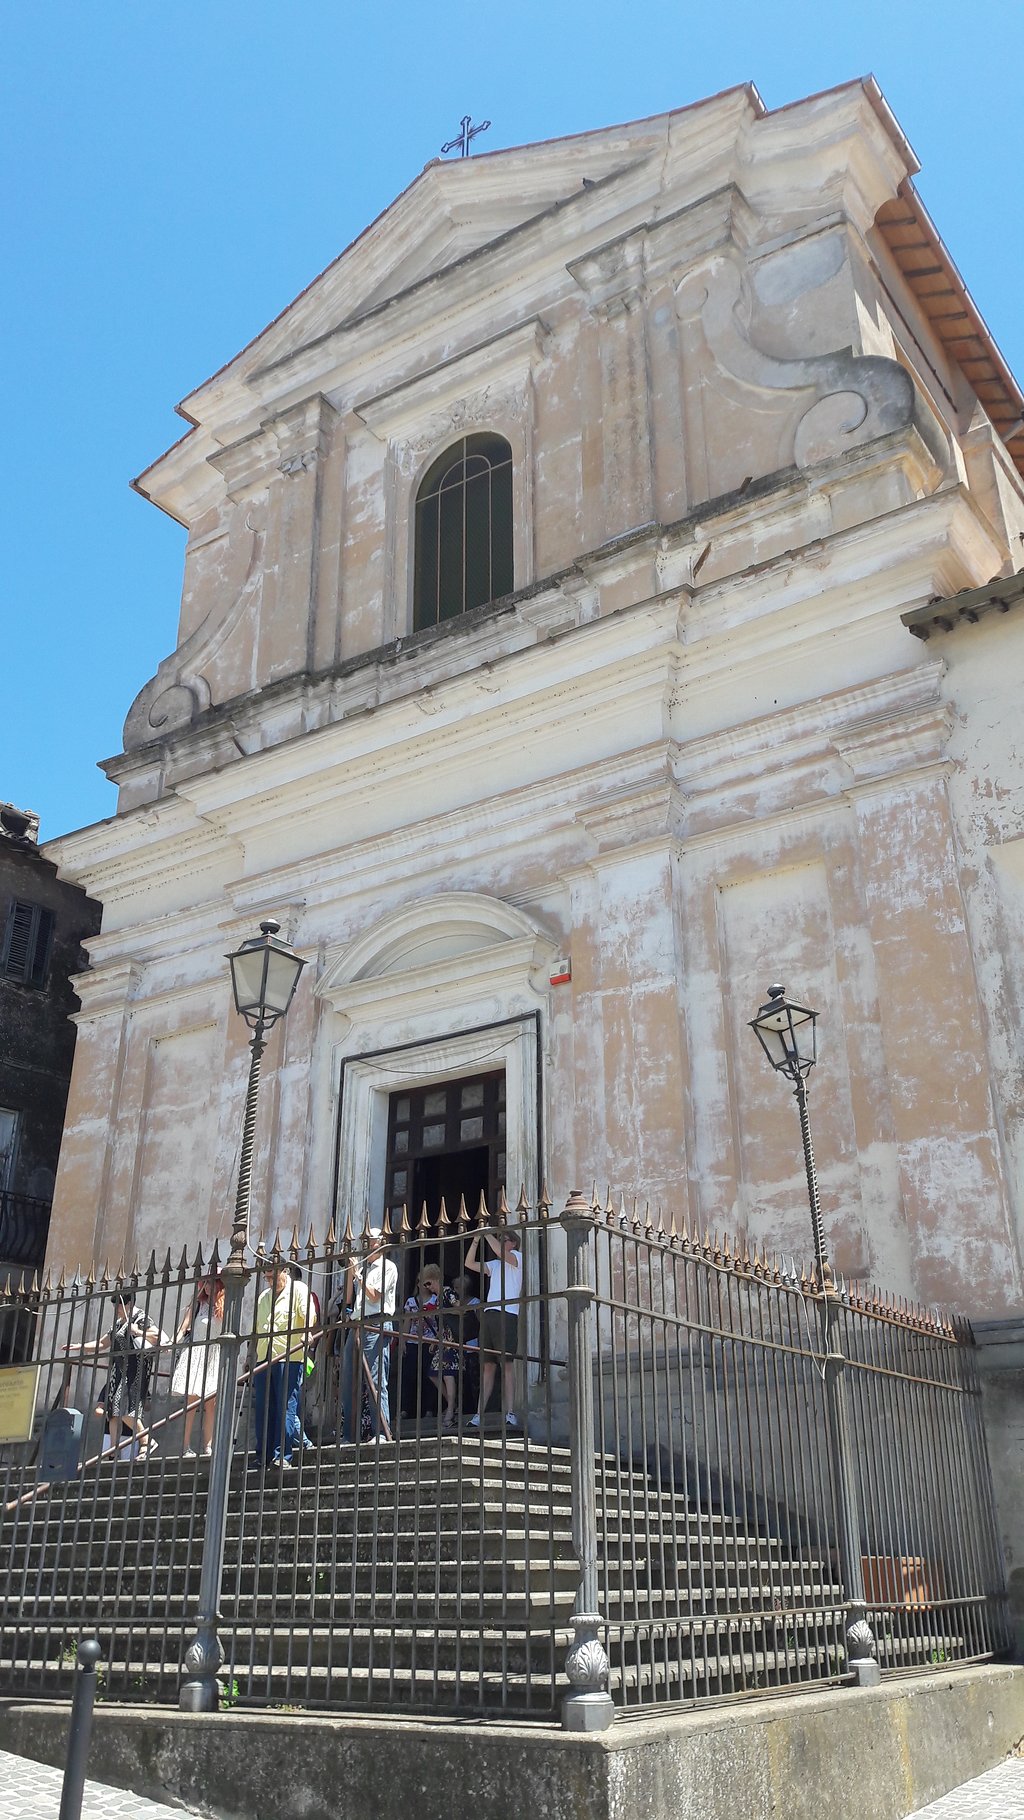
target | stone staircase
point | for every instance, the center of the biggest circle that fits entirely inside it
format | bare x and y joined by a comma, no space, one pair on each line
429,1574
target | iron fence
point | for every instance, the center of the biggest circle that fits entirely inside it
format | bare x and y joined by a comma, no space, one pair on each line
657,1522
721,1566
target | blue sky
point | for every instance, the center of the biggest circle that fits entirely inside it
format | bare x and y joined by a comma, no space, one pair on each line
175,172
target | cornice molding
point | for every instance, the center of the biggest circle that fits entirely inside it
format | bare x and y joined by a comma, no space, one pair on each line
631,818
446,984
506,357
104,992
878,750
289,443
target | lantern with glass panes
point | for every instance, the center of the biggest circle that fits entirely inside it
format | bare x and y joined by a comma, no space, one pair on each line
787,1032
264,974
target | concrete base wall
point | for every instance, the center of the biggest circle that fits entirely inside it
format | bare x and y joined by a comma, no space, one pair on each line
884,1752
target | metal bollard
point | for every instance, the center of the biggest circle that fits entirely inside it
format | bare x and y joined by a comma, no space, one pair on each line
80,1730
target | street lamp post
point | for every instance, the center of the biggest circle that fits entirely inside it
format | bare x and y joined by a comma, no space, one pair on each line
787,1034
264,975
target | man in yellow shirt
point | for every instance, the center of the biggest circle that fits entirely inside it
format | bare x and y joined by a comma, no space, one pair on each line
282,1326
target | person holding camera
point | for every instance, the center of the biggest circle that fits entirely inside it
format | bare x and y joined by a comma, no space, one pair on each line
499,1320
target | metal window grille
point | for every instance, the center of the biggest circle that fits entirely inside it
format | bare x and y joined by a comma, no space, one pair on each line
408,1559
463,530
24,1224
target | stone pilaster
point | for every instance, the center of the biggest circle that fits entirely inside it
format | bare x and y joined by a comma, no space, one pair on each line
632,1089
952,1179
613,280
288,636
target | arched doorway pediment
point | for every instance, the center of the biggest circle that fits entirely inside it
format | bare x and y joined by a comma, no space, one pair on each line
445,946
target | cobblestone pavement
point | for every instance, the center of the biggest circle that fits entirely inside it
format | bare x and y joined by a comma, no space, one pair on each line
31,1791
997,1795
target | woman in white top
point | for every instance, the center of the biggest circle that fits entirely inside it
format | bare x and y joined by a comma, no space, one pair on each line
198,1364
372,1292
499,1322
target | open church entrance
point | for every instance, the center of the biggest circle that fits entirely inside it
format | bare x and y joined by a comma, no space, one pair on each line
447,1143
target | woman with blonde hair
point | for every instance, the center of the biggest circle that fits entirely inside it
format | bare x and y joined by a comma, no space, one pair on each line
198,1364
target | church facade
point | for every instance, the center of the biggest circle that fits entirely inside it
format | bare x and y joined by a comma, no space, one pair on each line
599,603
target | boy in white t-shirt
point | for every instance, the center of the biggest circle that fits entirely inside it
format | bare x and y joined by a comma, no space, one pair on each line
499,1318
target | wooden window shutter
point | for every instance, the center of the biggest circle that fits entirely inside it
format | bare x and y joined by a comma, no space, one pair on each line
27,942
40,958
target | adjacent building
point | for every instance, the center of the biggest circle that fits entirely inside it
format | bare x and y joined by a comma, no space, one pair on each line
600,602
43,923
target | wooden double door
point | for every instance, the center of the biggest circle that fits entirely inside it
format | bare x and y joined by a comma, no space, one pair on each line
446,1141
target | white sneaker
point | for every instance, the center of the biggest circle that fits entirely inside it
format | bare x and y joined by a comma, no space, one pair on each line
511,1421
474,1421
188,1453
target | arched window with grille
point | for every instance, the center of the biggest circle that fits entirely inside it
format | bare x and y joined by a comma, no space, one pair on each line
463,530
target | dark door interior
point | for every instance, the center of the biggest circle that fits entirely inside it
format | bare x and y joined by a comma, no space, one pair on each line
444,1142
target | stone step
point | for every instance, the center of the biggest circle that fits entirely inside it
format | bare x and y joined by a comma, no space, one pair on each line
509,1450
324,1472
325,1501
339,1688
663,1664
613,1532
97,1598
473,1551
521,1648
295,1489
680,1674
931,1649
467,1525
266,1651
417,1607
498,1573
682,1671
481,1543
450,1678
790,1585
660,1569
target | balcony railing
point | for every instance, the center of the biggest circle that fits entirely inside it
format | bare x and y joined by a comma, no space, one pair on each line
24,1223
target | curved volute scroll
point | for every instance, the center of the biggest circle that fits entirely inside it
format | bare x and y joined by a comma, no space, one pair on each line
825,404
180,691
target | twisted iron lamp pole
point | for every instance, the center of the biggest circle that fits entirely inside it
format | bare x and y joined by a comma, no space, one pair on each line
787,1034
265,973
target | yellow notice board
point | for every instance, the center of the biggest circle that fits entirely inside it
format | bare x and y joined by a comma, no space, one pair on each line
19,1387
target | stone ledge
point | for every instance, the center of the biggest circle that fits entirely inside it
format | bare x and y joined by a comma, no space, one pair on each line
886,1751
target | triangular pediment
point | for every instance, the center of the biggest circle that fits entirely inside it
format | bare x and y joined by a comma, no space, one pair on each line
477,222
449,212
